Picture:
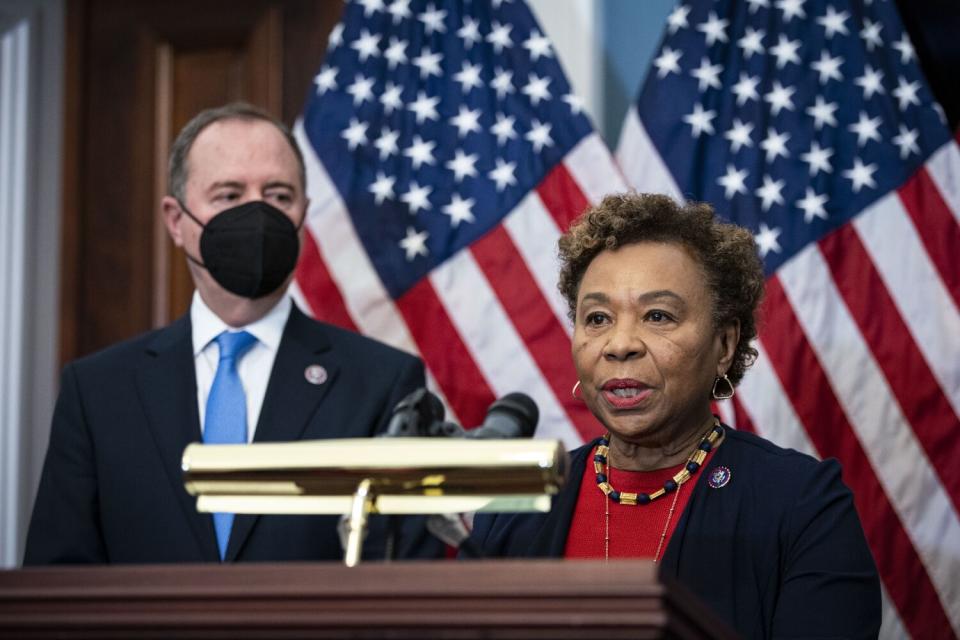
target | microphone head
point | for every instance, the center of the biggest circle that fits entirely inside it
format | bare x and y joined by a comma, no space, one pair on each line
414,415
433,410
517,409
444,429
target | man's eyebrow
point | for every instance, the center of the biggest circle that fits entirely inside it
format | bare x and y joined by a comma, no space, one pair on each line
279,183
225,183
235,184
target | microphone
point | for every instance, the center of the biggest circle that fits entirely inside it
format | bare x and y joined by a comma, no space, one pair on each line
421,413
415,414
515,415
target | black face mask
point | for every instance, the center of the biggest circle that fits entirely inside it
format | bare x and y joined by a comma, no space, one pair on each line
250,249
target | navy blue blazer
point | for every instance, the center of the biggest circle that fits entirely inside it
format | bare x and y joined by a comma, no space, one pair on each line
112,488
776,552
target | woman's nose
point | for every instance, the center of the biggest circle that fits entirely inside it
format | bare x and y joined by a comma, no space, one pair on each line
625,342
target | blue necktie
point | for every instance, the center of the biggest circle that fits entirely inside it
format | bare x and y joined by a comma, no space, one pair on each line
225,421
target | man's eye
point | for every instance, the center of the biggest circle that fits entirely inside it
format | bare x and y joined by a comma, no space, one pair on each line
659,316
284,198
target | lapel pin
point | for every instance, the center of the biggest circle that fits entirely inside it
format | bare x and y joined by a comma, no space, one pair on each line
315,374
719,477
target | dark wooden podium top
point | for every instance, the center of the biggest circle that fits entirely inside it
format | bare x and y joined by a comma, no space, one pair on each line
489,599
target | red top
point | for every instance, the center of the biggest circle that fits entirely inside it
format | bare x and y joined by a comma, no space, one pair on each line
635,530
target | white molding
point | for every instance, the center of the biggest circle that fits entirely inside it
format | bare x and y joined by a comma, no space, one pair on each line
14,84
573,28
31,124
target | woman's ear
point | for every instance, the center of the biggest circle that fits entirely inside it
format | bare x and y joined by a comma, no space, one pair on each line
728,338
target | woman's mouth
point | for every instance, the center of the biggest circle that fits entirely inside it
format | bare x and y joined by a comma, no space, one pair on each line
625,393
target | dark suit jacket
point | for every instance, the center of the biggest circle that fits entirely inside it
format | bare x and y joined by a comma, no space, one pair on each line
112,491
777,552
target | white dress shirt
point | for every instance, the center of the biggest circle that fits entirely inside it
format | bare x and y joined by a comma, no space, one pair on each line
254,366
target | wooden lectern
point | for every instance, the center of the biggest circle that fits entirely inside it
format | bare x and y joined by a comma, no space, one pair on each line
471,599
477,599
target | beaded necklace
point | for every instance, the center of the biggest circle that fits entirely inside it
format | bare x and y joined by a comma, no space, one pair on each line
602,467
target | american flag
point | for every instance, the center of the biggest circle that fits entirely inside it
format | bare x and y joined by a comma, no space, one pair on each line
810,122
445,154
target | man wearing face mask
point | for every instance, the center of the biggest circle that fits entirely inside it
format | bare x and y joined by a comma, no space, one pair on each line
243,365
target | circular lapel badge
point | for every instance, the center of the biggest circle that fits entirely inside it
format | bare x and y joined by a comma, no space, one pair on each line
719,477
315,374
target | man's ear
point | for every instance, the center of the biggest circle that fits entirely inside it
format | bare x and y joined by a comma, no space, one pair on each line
171,212
729,337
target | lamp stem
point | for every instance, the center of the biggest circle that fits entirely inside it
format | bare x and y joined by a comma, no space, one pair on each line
361,508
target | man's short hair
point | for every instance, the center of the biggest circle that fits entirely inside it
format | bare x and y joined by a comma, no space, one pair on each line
178,168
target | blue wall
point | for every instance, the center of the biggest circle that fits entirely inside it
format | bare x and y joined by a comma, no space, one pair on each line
630,35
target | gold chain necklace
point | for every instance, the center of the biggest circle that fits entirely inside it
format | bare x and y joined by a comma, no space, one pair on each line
663,534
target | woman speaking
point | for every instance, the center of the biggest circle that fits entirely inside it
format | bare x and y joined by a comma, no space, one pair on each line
664,301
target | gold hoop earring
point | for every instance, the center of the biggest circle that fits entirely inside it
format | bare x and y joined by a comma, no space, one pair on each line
574,391
724,394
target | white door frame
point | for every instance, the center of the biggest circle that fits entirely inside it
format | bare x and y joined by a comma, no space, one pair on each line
31,157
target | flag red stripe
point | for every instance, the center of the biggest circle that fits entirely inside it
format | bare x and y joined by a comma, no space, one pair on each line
445,353
537,325
921,399
937,227
561,195
319,289
819,410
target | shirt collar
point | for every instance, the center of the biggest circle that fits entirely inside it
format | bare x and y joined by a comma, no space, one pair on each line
268,330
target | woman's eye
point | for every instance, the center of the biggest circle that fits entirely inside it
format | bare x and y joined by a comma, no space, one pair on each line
596,319
658,316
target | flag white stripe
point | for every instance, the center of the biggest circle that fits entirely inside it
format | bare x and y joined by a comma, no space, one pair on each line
944,170
897,251
594,170
299,299
640,161
494,344
435,387
900,464
363,293
725,409
763,398
535,233
891,626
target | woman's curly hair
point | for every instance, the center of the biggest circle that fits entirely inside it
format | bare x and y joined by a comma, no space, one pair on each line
726,252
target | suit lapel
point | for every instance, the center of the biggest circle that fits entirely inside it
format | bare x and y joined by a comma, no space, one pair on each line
693,516
168,392
291,400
